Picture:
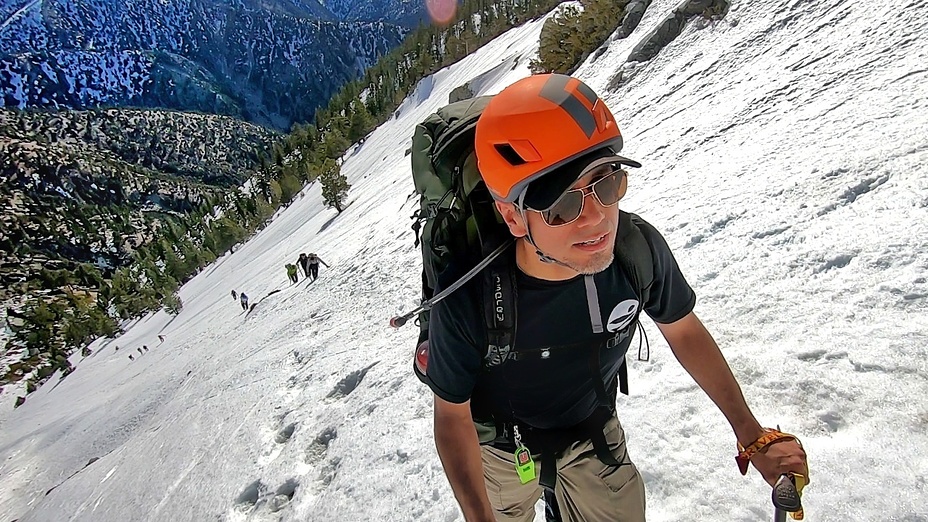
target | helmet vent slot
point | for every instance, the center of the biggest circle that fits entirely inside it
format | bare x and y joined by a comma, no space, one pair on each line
509,154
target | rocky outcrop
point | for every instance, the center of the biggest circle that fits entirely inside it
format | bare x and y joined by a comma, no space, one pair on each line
673,25
461,92
634,10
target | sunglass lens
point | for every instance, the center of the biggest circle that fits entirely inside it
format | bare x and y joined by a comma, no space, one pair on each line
611,188
566,210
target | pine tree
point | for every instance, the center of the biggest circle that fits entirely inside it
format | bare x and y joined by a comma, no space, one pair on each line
275,192
289,186
334,185
173,304
571,35
557,49
361,121
335,143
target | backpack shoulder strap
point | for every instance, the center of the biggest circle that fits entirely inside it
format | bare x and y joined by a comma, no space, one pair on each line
499,309
633,252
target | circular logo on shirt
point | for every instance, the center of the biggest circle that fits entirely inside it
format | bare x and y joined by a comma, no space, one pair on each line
622,315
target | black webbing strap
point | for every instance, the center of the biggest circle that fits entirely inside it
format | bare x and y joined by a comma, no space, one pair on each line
595,424
499,312
548,477
553,443
597,376
623,378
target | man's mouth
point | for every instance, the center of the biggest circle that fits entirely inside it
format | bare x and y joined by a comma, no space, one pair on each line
593,242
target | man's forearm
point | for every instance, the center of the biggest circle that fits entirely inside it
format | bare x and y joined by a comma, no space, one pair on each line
460,455
700,356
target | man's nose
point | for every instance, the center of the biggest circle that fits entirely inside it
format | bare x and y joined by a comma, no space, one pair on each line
592,212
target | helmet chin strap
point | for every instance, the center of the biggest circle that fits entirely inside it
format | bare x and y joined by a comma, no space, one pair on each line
544,258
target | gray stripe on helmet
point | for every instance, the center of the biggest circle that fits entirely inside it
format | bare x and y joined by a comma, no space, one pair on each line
554,91
588,93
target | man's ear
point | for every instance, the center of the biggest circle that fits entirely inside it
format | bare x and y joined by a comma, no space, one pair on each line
513,218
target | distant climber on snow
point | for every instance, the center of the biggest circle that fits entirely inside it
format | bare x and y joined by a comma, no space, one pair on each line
303,263
313,261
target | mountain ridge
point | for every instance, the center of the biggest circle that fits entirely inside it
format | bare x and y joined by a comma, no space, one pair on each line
269,62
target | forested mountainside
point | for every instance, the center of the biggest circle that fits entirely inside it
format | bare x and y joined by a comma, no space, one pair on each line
271,62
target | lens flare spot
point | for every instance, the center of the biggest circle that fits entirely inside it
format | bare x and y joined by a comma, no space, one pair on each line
441,11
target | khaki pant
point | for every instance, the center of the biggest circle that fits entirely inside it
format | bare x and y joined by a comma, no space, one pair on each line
586,490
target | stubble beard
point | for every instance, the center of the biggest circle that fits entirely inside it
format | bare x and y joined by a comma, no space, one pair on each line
593,265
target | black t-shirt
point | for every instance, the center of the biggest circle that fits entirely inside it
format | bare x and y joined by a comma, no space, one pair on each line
556,391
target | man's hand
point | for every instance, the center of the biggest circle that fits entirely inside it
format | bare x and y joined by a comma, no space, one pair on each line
779,458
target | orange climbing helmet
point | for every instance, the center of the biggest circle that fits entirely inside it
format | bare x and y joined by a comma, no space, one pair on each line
538,125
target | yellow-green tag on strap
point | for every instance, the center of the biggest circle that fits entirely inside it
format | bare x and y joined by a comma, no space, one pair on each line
525,466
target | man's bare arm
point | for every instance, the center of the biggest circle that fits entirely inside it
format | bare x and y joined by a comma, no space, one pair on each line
698,353
459,450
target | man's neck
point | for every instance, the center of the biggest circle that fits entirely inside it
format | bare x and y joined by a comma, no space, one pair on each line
530,264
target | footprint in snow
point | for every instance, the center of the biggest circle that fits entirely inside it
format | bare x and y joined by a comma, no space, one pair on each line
284,434
256,495
320,445
283,496
349,383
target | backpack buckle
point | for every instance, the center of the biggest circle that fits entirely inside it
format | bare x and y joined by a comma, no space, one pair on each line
497,355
